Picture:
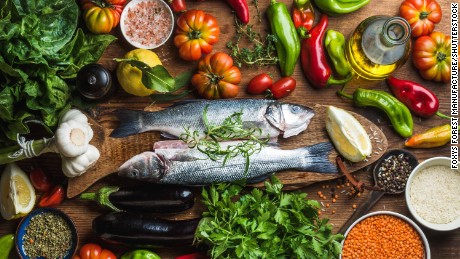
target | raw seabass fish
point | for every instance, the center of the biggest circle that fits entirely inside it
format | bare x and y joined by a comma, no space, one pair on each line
178,164
271,117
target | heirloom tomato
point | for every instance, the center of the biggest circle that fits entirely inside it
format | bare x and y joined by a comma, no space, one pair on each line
422,15
217,77
431,56
101,16
196,32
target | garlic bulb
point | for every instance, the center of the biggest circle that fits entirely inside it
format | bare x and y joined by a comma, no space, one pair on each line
73,134
75,166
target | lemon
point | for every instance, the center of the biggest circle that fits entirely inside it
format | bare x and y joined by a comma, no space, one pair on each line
130,78
18,194
348,135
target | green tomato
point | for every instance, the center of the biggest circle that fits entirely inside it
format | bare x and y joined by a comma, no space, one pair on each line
140,254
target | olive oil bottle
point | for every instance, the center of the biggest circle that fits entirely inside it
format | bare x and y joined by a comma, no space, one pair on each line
378,46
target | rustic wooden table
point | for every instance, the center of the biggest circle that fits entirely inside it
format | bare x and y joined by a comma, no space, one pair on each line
443,245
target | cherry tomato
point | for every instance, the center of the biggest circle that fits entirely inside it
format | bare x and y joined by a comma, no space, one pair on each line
39,180
259,84
283,87
177,6
93,251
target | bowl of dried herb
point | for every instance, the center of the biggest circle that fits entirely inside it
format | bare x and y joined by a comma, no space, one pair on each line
46,233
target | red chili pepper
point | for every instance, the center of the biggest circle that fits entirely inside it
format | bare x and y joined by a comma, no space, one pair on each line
417,98
283,87
193,256
177,6
313,58
39,180
53,197
241,8
303,14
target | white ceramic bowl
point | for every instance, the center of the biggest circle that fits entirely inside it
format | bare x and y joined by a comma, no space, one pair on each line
444,161
404,218
124,17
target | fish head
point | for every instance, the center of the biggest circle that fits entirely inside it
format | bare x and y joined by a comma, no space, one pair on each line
289,118
145,166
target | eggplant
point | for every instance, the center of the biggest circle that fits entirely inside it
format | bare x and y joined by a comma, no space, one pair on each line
146,198
144,230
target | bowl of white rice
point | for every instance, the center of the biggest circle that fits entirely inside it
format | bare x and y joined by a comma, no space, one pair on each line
433,194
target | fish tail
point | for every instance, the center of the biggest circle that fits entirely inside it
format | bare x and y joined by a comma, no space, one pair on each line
316,159
131,122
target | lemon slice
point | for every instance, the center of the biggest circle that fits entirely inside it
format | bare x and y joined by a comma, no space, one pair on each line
348,135
17,193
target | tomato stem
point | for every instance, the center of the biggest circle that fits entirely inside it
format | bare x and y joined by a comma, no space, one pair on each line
194,34
423,15
215,79
440,56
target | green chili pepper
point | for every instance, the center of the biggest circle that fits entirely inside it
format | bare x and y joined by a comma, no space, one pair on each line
399,114
337,7
335,46
140,254
6,244
288,42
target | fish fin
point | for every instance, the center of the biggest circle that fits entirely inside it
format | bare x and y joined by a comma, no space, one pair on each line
168,136
183,102
316,159
170,144
130,123
258,179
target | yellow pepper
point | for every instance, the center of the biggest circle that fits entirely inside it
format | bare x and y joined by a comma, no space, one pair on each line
434,137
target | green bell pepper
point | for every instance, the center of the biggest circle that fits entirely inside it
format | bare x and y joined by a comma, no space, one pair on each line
140,254
335,47
288,42
337,7
397,112
6,244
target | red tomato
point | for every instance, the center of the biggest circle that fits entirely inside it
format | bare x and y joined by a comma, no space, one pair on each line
178,6
39,180
259,84
283,87
93,251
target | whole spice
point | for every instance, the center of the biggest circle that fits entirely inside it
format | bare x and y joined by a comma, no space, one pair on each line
6,244
397,112
421,15
48,235
434,137
382,237
417,98
313,58
393,173
53,197
287,41
337,7
335,47
241,9
266,223
303,14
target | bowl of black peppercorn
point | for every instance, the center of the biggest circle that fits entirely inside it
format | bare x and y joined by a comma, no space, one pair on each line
392,170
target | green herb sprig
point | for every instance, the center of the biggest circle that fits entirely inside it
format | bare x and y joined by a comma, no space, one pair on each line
264,224
261,52
230,129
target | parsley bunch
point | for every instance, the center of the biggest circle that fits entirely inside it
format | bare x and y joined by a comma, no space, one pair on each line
264,224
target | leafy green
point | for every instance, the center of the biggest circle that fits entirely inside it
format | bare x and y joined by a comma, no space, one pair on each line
39,49
264,224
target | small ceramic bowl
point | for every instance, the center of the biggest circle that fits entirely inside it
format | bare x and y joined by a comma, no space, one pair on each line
435,161
146,29
21,231
404,218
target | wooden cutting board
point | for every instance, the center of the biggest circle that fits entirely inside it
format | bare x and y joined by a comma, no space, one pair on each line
115,151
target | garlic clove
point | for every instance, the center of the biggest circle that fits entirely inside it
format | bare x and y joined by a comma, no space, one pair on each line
72,138
75,166
75,115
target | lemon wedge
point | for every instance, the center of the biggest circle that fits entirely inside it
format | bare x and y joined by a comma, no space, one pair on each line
17,193
348,135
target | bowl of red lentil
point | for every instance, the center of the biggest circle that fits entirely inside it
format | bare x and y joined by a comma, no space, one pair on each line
147,24
433,194
385,234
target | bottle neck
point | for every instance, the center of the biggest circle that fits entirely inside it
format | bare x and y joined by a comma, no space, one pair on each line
396,31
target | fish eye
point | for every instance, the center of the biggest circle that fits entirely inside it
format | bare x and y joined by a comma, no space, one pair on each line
295,109
135,172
